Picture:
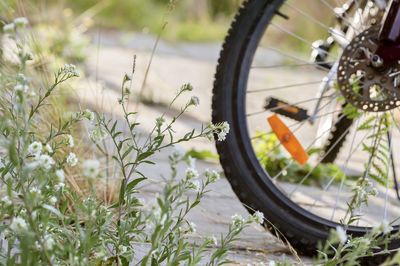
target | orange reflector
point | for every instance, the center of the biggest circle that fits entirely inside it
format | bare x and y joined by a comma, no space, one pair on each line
288,139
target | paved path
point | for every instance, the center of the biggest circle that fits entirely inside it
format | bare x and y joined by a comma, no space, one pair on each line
172,66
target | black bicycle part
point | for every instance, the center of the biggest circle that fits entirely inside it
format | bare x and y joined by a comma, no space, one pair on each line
251,183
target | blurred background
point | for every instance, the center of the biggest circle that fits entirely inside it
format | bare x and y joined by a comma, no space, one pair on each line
191,20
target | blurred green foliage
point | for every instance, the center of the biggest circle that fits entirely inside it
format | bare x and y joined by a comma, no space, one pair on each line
278,163
189,20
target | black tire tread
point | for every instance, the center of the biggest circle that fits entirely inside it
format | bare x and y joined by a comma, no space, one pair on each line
337,138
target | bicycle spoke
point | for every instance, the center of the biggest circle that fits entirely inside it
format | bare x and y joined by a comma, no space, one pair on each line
309,17
346,165
287,86
294,57
296,36
390,142
340,15
351,152
320,160
293,65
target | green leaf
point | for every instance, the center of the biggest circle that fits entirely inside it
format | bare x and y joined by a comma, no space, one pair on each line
113,127
148,162
367,124
351,112
189,135
124,261
144,155
131,127
13,154
131,185
122,191
116,134
128,151
202,154
132,113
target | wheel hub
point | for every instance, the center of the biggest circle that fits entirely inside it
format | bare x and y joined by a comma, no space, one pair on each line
363,77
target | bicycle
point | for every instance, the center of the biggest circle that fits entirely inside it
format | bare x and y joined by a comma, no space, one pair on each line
310,136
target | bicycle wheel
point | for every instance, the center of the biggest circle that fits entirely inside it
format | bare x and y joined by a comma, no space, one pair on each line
334,103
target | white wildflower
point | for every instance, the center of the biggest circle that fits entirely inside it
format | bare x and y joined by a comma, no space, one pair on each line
194,101
187,87
31,93
160,121
258,217
9,28
22,78
59,186
341,233
37,245
70,141
30,166
18,224
21,22
48,242
237,220
88,114
122,248
272,263
60,175
35,148
195,185
70,69
91,168
222,130
384,227
21,88
6,201
53,200
34,191
97,134
364,241
191,173
72,160
212,240
48,148
212,175
45,161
